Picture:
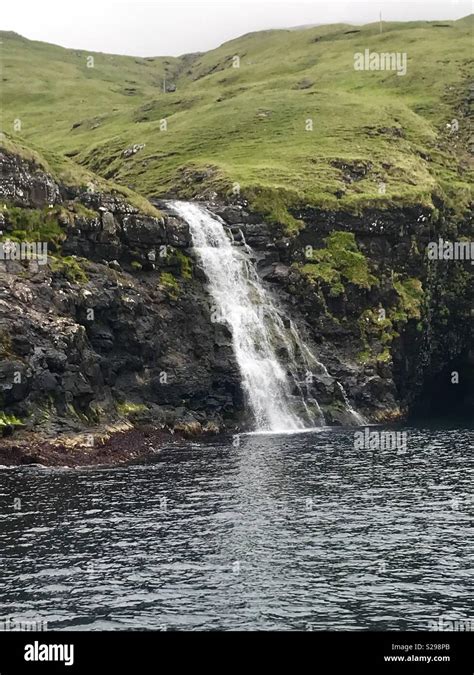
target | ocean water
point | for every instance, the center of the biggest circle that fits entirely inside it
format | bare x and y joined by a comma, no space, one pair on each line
267,532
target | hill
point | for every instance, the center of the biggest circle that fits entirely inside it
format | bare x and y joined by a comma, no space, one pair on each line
281,116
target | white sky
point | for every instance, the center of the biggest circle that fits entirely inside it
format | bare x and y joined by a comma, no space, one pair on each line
173,27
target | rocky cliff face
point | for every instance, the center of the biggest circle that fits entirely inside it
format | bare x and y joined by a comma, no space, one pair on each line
393,326
118,323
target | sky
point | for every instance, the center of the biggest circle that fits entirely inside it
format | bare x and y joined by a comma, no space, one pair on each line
174,27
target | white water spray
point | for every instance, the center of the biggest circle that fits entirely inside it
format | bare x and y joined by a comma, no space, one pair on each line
278,395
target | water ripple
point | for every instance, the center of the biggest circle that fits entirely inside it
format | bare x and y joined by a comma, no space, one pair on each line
298,532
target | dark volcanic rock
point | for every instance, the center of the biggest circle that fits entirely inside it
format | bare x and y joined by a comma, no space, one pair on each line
26,184
385,372
123,327
76,350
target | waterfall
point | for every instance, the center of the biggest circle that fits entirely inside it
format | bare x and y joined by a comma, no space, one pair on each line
359,419
273,359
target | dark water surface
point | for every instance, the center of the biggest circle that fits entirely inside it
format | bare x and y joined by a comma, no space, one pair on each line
281,532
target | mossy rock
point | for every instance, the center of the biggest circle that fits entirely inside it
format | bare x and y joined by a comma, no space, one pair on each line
70,267
170,285
341,262
36,224
411,295
8,424
130,409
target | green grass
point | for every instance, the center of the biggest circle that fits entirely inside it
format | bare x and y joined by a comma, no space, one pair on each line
248,126
34,225
69,173
9,420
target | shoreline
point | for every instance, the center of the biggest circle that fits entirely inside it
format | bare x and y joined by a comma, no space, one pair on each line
111,447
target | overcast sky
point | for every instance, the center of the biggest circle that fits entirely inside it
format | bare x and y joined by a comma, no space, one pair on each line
173,27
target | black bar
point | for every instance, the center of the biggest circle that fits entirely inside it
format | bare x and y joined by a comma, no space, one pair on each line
316,652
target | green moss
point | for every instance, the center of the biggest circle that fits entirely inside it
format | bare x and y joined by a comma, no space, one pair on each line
324,272
137,266
340,262
376,330
411,296
70,267
127,408
169,284
185,263
342,241
35,225
364,356
385,356
348,260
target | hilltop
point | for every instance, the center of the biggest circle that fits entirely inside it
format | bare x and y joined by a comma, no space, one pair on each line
293,125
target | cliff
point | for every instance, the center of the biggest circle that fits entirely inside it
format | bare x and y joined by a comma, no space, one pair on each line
337,179
115,324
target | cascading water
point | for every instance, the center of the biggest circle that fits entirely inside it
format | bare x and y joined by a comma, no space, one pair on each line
278,395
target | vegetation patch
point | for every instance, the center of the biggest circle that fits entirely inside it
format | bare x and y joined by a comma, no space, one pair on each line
274,205
170,285
70,267
378,328
339,263
35,225
185,263
377,333
128,408
287,132
411,296
9,420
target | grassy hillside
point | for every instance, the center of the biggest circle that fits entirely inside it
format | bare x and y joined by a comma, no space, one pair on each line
66,172
376,136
